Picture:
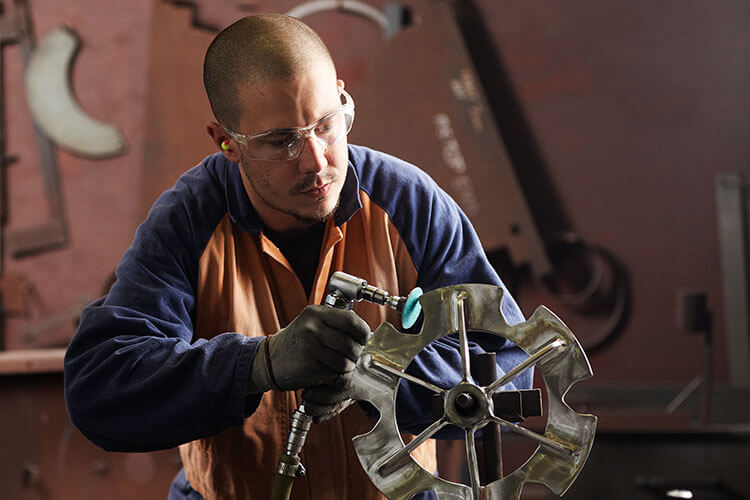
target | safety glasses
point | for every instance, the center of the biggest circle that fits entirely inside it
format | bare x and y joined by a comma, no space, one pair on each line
287,143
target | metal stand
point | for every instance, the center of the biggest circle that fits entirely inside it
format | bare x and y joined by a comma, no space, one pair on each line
731,211
695,317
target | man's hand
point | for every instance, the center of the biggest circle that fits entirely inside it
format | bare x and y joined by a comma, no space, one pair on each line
324,402
320,347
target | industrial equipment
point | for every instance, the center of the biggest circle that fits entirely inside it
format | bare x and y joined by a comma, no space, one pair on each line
459,310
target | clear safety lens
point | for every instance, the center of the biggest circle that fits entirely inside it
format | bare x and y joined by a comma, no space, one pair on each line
287,144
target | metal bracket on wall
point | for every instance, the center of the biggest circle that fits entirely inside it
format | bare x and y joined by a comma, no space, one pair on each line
58,119
391,19
17,29
352,6
731,210
213,15
53,105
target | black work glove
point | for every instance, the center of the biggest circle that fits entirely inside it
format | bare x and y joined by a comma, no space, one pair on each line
319,347
324,402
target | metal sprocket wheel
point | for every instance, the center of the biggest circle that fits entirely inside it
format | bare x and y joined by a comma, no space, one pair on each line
552,348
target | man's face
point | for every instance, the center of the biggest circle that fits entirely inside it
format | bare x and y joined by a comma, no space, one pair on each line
298,193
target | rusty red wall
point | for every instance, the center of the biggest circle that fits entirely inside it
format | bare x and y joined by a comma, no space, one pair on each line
101,197
632,109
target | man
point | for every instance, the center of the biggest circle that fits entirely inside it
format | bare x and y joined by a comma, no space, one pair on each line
211,332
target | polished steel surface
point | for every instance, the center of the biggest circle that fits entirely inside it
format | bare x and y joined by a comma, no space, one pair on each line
462,309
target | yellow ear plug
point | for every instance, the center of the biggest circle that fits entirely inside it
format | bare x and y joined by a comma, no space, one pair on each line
225,145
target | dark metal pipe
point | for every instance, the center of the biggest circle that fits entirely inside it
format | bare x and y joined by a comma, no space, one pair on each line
491,439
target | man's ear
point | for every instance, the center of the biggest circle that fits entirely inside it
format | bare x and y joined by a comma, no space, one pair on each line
223,141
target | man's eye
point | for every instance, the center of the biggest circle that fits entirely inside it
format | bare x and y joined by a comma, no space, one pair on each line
326,126
280,140
323,128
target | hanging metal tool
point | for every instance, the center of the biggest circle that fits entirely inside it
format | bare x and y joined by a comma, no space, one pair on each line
17,29
58,120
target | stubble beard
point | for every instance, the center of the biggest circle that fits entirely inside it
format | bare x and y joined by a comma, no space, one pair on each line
305,184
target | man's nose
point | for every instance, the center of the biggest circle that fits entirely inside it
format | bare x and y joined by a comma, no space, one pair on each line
313,155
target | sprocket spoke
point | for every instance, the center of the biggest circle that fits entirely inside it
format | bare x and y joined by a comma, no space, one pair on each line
463,338
406,376
473,463
564,449
457,311
539,356
396,460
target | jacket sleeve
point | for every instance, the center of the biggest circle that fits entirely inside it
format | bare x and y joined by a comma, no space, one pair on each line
134,378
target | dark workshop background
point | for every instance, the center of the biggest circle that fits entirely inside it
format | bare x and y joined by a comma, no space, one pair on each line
600,148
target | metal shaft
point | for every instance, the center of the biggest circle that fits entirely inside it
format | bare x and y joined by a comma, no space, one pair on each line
347,288
491,437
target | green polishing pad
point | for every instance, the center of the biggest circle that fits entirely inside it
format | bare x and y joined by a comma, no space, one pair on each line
412,308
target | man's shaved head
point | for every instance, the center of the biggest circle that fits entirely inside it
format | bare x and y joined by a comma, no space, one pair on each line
257,49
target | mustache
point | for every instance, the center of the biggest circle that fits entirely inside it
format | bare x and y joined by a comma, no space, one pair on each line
310,180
